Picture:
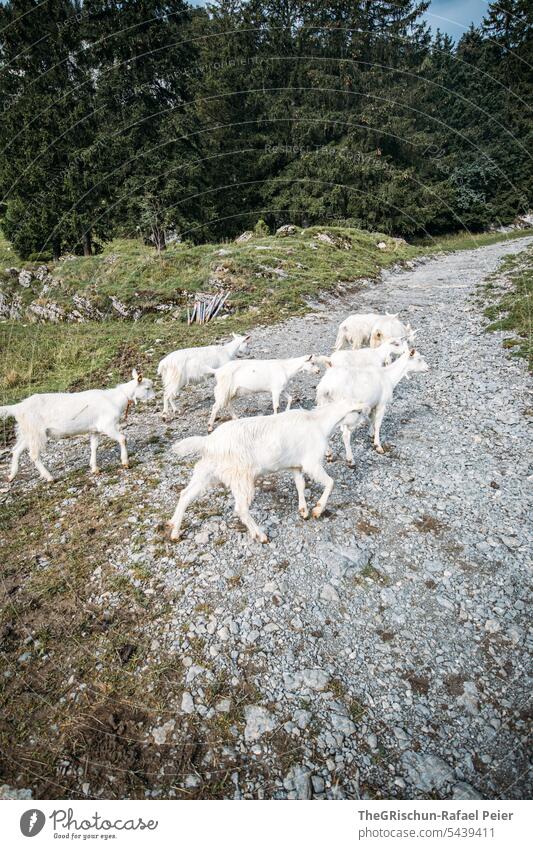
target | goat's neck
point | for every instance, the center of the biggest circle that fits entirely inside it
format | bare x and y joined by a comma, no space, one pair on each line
398,369
294,364
330,415
124,393
233,347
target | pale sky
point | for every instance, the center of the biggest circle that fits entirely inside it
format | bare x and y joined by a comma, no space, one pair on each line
451,16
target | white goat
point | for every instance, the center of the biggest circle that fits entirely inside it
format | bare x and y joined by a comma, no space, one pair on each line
371,329
373,387
366,357
248,377
390,327
239,451
61,414
191,365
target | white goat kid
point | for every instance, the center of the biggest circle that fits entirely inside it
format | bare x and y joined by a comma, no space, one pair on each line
366,357
249,377
238,452
390,327
191,365
356,329
63,414
371,329
374,387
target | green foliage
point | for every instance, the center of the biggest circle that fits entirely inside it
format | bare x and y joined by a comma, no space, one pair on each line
163,121
261,228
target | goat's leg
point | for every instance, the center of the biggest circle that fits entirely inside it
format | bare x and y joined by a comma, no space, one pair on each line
347,439
17,451
243,491
275,401
329,454
315,471
164,414
199,483
43,471
299,480
378,418
94,439
114,433
372,425
289,401
216,408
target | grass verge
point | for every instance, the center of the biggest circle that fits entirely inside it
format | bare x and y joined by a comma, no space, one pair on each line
510,291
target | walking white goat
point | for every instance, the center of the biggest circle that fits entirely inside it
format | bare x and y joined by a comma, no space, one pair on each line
248,377
371,329
239,451
365,357
191,365
373,387
58,415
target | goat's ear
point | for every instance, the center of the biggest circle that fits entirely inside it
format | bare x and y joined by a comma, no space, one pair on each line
134,374
378,334
310,358
327,362
140,377
248,337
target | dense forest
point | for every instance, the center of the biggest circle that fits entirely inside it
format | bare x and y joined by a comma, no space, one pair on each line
169,121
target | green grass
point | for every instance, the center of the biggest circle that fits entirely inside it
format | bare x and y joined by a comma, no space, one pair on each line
512,310
463,241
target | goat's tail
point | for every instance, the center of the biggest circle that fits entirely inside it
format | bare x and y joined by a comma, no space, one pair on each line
341,339
223,390
7,412
191,445
172,376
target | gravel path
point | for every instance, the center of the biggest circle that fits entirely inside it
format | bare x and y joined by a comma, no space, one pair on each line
385,642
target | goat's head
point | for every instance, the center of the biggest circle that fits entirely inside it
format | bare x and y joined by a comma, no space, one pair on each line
144,388
397,346
416,363
377,337
243,343
310,365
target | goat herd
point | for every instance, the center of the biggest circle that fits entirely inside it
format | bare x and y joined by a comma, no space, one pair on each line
357,383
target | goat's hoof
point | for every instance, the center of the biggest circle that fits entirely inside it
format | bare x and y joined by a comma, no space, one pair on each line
329,458
125,465
10,478
210,428
350,464
379,449
316,512
95,471
261,537
174,533
304,512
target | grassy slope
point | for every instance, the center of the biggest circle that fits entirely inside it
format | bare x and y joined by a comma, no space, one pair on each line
46,357
510,291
